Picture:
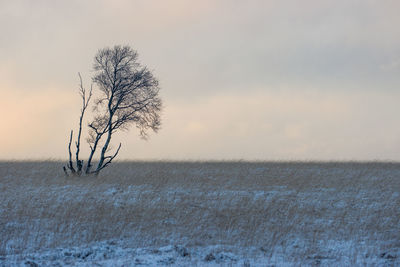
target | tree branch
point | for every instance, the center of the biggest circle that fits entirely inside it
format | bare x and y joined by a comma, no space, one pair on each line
110,158
85,103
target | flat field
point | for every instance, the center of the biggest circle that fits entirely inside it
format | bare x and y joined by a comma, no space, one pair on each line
201,213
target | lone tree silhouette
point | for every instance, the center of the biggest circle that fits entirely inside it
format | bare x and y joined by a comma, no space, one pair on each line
128,95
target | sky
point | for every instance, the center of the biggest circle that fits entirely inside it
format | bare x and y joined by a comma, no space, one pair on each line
240,80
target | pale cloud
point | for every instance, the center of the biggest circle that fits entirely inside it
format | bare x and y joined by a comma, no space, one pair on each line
277,124
240,79
391,65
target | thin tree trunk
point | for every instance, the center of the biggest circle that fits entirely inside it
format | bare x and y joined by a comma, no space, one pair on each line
70,164
109,133
79,163
103,151
93,150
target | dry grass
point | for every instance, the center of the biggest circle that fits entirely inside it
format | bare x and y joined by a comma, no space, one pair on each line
293,210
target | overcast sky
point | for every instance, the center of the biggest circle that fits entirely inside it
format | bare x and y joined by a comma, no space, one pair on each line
266,80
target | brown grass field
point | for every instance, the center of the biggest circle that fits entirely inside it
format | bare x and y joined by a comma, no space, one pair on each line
304,213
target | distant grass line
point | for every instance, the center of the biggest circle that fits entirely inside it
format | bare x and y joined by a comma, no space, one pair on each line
299,209
231,161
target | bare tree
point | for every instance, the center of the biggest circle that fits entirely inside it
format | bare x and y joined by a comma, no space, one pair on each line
129,95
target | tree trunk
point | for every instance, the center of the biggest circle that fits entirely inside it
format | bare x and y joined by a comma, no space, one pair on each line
103,151
93,150
70,164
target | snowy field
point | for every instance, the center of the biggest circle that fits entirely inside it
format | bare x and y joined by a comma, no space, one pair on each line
201,214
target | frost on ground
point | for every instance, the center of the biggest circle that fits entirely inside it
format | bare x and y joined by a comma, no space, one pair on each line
201,214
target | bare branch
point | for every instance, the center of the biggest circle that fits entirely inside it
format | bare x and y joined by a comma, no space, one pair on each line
85,103
110,158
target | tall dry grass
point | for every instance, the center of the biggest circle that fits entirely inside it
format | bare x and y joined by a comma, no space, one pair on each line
293,209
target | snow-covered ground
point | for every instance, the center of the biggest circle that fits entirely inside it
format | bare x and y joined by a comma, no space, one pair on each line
201,214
